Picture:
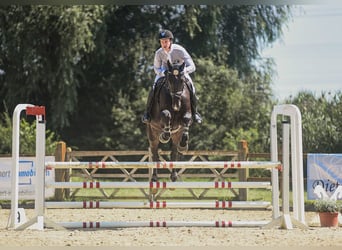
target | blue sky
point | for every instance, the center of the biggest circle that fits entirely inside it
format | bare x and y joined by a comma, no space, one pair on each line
310,55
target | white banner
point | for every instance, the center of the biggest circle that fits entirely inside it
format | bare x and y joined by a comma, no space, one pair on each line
27,174
324,170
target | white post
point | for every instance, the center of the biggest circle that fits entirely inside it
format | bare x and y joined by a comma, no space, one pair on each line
40,171
296,158
39,112
286,167
298,179
274,157
15,164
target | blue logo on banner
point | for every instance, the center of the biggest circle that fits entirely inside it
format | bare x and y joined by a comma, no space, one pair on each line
324,170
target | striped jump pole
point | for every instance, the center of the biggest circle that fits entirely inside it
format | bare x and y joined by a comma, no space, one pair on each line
159,204
166,165
127,224
160,185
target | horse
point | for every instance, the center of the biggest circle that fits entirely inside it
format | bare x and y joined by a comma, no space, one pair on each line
171,115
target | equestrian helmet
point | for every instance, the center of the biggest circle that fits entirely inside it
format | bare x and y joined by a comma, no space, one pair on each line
165,34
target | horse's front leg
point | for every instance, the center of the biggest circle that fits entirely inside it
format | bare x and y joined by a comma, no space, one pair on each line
155,158
184,141
153,143
174,157
165,120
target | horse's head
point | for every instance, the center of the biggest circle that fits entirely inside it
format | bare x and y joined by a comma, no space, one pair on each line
175,81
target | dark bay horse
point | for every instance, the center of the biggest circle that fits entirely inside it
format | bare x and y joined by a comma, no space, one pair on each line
171,115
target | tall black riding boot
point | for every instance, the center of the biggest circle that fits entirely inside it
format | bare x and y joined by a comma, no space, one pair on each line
146,118
195,113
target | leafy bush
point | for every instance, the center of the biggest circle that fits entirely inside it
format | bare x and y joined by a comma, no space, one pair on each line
27,137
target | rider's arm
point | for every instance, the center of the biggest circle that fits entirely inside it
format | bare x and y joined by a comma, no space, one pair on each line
158,63
189,63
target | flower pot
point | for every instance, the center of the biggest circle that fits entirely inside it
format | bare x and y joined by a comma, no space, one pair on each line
328,219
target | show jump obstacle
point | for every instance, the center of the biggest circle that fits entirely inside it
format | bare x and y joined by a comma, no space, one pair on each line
282,220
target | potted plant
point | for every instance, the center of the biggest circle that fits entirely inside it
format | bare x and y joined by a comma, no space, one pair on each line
328,211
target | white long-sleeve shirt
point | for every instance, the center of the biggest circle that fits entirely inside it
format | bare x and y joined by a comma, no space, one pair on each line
176,55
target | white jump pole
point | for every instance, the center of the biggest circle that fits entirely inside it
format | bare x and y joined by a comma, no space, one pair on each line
158,204
160,185
166,165
297,167
127,224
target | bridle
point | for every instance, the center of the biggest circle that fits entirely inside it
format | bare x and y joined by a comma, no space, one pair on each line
175,73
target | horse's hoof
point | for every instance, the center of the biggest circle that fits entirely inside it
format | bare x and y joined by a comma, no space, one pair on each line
154,178
173,177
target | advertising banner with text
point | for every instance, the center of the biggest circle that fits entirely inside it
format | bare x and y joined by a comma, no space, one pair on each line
324,170
27,174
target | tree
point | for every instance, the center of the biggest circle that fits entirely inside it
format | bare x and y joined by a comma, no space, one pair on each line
197,27
321,119
249,29
234,35
233,108
92,67
41,50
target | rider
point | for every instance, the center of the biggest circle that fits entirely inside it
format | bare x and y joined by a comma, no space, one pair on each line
175,54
